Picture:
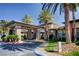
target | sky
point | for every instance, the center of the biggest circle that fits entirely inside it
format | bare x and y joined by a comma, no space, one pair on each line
17,11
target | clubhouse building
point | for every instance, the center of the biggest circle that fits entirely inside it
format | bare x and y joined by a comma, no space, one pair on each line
35,32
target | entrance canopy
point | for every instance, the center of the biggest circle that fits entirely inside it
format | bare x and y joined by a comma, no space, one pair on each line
23,25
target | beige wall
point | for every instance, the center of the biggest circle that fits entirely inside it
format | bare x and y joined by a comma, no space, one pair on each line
51,26
18,31
24,32
38,34
77,24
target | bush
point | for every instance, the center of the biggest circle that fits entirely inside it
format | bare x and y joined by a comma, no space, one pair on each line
50,47
51,38
63,39
50,44
3,38
51,41
77,43
23,37
12,38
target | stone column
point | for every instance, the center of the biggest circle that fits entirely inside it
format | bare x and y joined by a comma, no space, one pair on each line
8,31
56,33
18,32
37,34
29,34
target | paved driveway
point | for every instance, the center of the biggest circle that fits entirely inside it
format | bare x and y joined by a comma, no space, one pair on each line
22,49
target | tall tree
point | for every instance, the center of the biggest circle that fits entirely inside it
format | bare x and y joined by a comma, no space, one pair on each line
2,26
67,23
45,17
64,7
27,19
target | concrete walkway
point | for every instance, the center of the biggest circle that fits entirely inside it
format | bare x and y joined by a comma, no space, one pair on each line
22,49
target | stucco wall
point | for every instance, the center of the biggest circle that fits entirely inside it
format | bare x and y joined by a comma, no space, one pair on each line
18,31
53,26
76,24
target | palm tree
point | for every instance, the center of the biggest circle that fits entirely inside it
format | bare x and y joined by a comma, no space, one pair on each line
73,9
67,23
2,26
45,17
27,19
64,7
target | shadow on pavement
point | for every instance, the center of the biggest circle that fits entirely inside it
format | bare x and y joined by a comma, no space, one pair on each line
21,46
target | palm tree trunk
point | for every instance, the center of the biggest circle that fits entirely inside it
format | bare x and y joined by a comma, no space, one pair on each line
74,26
67,23
46,29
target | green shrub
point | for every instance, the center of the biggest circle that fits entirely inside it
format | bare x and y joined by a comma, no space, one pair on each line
23,37
49,47
63,39
12,38
77,43
3,38
51,38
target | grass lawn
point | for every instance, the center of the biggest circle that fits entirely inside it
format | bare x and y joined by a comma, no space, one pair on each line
73,53
49,47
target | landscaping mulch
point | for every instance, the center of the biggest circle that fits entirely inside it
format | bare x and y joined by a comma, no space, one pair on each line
66,48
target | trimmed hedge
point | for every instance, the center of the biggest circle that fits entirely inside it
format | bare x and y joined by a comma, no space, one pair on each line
11,38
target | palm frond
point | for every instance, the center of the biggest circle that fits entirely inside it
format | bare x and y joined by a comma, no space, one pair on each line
27,19
44,15
55,7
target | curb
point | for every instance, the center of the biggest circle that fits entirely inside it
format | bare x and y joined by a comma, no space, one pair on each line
38,53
